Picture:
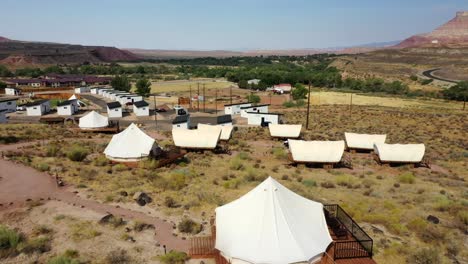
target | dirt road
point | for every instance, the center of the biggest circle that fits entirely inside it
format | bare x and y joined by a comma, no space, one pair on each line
19,183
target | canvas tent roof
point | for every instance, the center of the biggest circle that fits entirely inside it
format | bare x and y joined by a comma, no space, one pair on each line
316,151
363,141
285,131
411,153
226,131
271,224
73,97
130,144
93,120
197,139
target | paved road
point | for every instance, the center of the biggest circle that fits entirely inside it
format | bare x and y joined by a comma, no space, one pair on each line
428,74
19,182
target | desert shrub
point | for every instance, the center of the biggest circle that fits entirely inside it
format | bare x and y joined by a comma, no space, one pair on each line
77,153
407,177
443,203
43,167
418,225
189,226
433,233
41,230
463,217
236,164
9,241
38,244
52,150
170,202
243,156
279,153
71,253
309,183
327,185
62,259
8,139
176,181
425,256
344,180
174,257
83,230
289,104
119,168
118,256
101,161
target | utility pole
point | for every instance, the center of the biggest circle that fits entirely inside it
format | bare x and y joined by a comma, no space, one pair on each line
230,94
464,102
216,101
204,99
190,102
155,113
198,97
351,105
308,109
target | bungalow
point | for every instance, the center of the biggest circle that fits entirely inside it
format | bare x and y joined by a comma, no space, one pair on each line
67,108
141,108
12,91
3,117
234,109
8,104
263,119
129,98
114,110
38,108
254,108
182,121
82,90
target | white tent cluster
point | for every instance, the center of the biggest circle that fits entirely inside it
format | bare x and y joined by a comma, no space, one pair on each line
93,120
130,145
396,153
285,131
271,224
226,131
316,151
206,138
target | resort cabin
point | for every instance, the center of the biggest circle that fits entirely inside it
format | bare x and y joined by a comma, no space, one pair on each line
8,104
94,90
68,108
114,110
129,99
285,131
130,145
399,153
201,139
3,117
141,108
234,109
226,130
272,224
12,91
182,121
80,103
38,108
80,90
105,92
114,96
254,109
263,119
93,120
326,153
363,141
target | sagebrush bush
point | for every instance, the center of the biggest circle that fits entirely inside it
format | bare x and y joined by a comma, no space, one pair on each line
118,256
407,177
425,256
174,257
189,226
9,241
77,153
43,167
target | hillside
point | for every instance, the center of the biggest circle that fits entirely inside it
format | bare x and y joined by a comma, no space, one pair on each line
452,34
16,54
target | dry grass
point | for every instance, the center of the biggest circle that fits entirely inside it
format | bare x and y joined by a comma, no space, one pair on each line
184,86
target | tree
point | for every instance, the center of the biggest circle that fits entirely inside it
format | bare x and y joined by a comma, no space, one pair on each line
299,92
2,85
243,84
143,87
458,92
5,72
253,98
121,83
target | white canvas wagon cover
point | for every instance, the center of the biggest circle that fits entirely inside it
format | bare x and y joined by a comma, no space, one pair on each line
271,224
285,131
226,131
363,141
93,120
197,139
411,153
316,151
130,144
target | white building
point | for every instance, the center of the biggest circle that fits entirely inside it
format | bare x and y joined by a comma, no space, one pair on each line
80,90
129,98
263,119
12,91
234,109
254,108
114,110
38,108
182,121
8,104
253,81
3,117
141,108
68,108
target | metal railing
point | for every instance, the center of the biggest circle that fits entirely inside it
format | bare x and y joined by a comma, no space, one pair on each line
363,244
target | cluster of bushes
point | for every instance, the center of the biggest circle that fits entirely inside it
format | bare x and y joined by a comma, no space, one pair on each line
77,153
12,242
189,226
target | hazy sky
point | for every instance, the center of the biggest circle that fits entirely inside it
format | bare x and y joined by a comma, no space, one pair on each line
222,24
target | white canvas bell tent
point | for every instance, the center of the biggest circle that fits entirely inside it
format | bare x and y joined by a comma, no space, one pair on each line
130,145
93,120
400,153
197,139
271,225
316,151
285,131
226,131
363,141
